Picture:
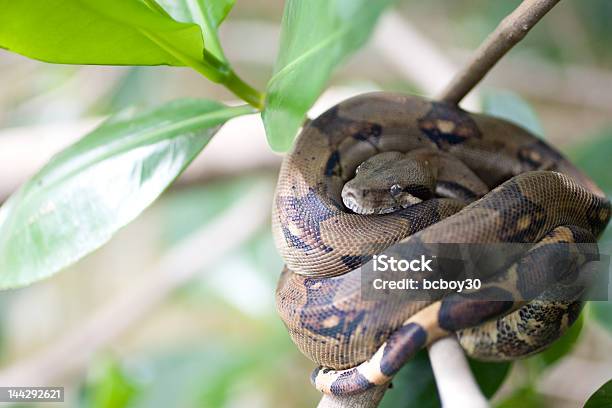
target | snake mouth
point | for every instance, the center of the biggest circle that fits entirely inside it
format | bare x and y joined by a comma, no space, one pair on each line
352,203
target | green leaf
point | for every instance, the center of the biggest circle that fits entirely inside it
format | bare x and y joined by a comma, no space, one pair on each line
602,398
510,106
308,56
413,386
93,188
208,14
113,32
108,386
489,376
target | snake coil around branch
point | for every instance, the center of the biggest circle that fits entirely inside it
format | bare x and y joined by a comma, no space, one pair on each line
386,169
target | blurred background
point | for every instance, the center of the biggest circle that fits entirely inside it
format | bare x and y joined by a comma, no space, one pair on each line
177,310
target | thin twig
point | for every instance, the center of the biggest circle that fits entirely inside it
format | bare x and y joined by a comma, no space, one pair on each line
397,40
508,33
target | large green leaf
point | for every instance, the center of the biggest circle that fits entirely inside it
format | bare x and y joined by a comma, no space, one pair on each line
208,14
90,190
602,398
316,35
112,32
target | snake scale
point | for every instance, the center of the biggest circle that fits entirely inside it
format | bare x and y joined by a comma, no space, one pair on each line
447,176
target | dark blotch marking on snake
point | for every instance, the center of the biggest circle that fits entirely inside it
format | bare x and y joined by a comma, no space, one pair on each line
369,133
333,167
327,121
461,311
456,190
306,213
598,215
402,345
350,381
419,191
550,264
523,225
335,127
355,261
446,124
541,267
335,323
538,155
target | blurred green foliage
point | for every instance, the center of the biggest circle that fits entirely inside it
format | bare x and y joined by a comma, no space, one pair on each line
525,397
108,385
510,106
248,359
574,32
187,211
602,313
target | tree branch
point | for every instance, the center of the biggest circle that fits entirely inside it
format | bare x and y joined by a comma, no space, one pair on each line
456,384
508,33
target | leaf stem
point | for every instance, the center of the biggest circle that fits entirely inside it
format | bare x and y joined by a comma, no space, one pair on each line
213,69
243,90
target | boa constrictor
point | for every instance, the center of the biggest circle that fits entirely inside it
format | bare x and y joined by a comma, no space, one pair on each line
468,178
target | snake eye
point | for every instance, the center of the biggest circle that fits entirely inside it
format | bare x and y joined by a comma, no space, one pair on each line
395,190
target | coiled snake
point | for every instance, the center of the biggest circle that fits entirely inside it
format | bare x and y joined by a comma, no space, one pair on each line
426,172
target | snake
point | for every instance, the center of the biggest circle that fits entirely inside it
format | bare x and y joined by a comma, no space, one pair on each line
385,169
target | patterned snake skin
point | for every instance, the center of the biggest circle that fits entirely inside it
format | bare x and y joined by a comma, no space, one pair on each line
531,195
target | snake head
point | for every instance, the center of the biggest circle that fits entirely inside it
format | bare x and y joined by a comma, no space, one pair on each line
388,182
